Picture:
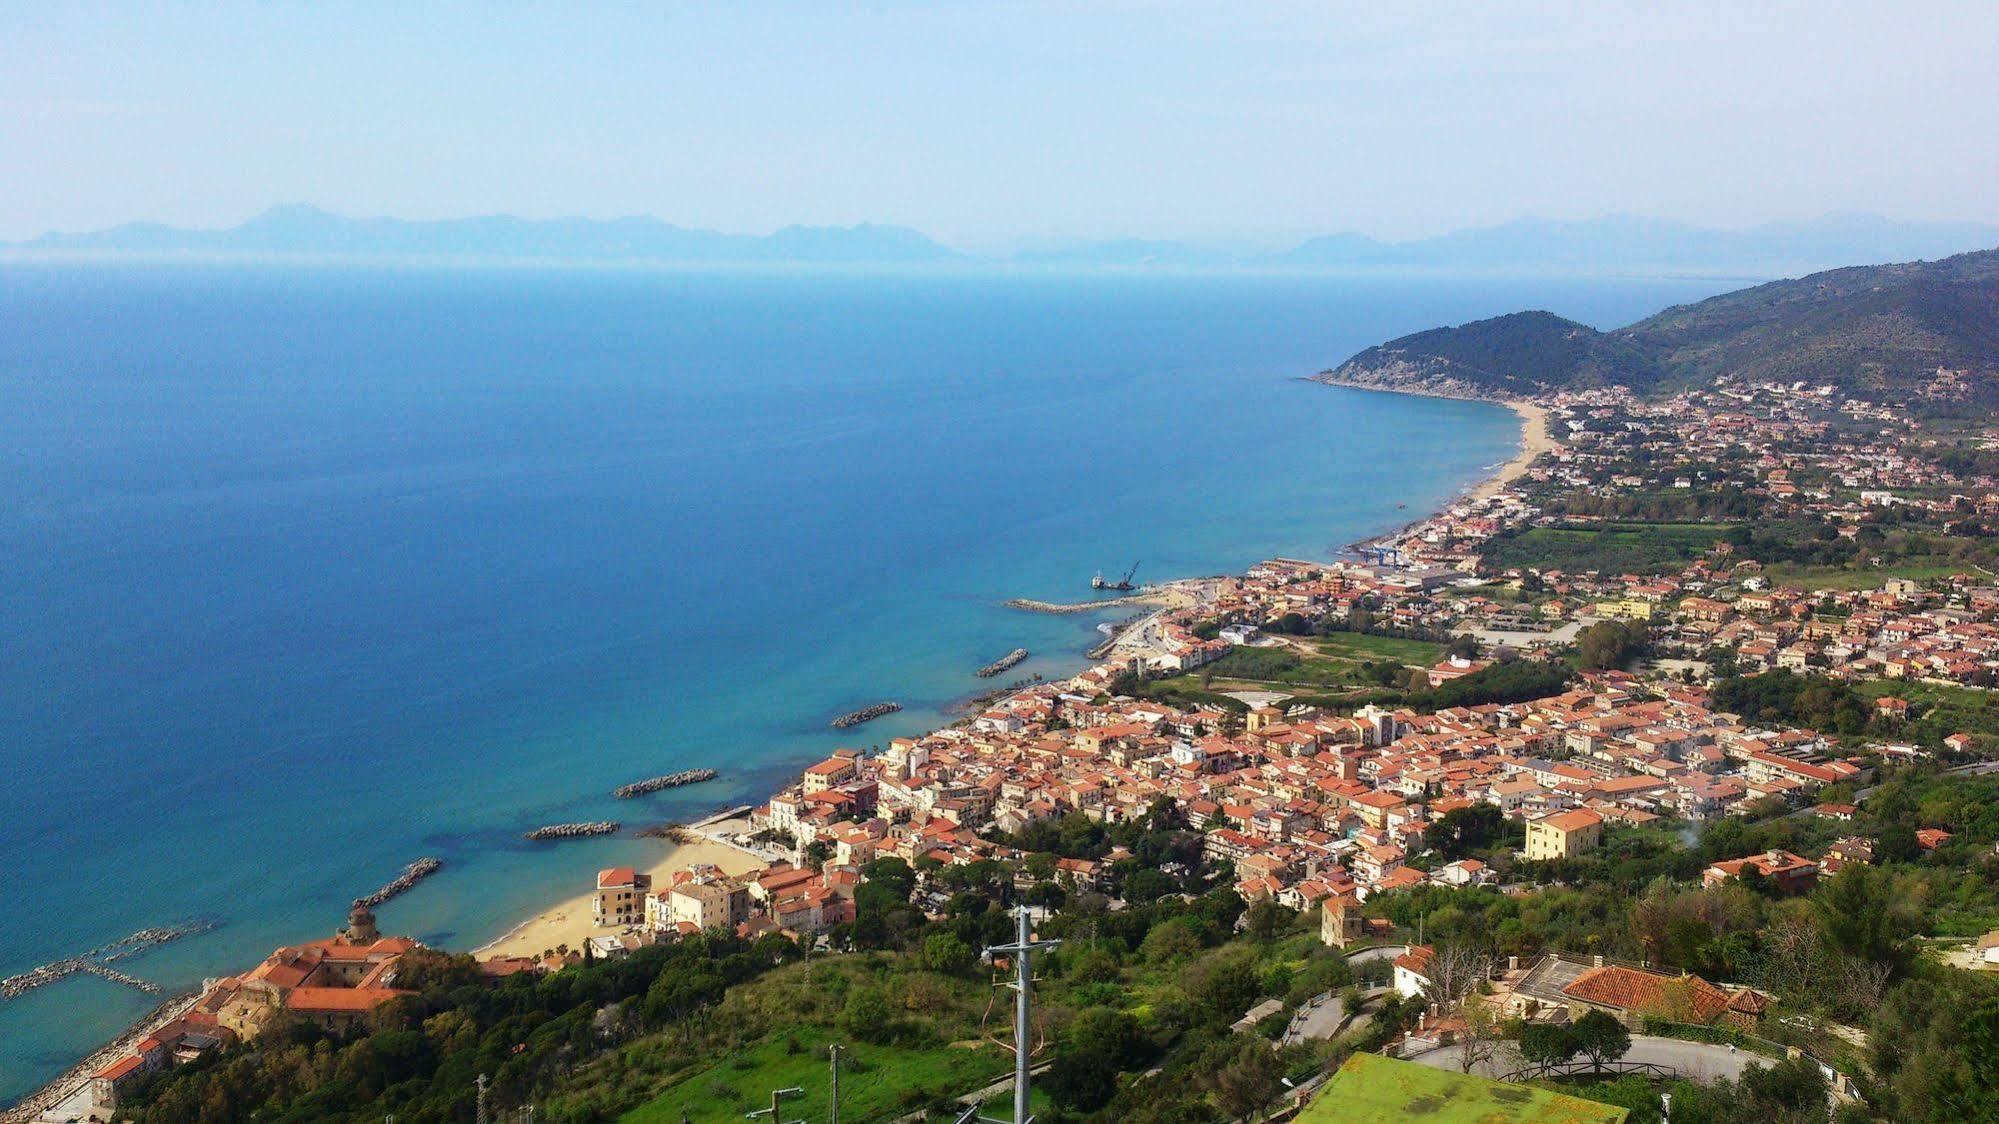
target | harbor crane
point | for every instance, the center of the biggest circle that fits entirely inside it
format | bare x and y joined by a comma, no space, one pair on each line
1122,585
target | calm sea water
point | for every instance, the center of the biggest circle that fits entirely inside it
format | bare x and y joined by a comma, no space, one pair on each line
310,572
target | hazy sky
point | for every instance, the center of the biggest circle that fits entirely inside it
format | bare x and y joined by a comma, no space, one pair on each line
999,124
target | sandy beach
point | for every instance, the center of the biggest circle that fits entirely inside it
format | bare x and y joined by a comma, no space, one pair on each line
569,922
1535,439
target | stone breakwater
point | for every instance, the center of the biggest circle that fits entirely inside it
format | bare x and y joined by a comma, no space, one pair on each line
412,874
1002,663
1030,605
671,780
573,830
865,714
97,961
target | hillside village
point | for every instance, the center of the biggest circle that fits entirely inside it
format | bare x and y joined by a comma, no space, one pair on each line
1747,602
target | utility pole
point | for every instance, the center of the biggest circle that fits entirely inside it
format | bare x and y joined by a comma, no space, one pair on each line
482,1099
1023,949
833,1052
777,1095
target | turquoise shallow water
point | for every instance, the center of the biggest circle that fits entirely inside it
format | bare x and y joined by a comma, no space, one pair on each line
314,571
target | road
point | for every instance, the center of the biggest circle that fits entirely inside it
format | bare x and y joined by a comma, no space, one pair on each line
1380,952
1324,1018
1696,1061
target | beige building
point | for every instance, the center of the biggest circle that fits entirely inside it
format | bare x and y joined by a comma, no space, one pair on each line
837,769
1563,835
621,896
705,899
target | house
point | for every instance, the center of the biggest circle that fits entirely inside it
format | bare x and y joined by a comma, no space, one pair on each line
1412,971
1631,994
1988,949
1464,872
1339,920
1563,835
700,899
1792,874
621,896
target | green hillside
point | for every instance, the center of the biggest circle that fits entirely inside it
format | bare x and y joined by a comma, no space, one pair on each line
1874,330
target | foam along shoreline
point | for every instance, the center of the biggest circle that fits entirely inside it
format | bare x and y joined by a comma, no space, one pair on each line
1535,439
570,921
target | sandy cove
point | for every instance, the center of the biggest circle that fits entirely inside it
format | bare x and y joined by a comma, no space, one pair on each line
1535,439
570,921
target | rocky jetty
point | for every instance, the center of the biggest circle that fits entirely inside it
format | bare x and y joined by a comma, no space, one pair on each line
412,874
865,714
573,830
656,784
1002,663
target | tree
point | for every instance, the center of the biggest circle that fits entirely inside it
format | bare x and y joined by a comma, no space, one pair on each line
1456,970
1602,1038
1463,831
945,953
1229,987
1856,908
1481,1034
1244,1074
1610,644
1545,1045
867,1015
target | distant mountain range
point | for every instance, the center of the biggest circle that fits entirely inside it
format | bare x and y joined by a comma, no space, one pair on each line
1614,243
300,229
1877,330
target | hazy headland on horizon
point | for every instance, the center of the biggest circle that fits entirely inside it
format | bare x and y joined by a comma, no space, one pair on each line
1611,244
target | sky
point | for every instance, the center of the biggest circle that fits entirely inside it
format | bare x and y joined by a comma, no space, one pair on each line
1001,125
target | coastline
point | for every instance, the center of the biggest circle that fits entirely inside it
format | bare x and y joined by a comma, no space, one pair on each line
568,922
1535,436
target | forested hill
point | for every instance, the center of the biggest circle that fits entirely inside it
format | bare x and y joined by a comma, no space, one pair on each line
1877,330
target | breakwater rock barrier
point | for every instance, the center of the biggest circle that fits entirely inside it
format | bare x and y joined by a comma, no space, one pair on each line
1028,604
412,874
573,830
865,714
1002,663
656,784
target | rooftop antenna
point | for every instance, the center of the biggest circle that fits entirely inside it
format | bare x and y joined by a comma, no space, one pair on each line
1023,950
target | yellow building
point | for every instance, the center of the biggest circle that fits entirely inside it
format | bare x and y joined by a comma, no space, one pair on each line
1630,609
1563,835
835,770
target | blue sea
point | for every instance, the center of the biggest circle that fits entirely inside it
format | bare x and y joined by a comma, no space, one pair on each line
311,571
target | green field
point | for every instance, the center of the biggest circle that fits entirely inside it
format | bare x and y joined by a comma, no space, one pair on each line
1611,548
1869,577
1360,646
1371,1087
876,1082
1939,710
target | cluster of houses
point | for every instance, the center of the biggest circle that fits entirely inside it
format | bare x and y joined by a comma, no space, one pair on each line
1306,806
